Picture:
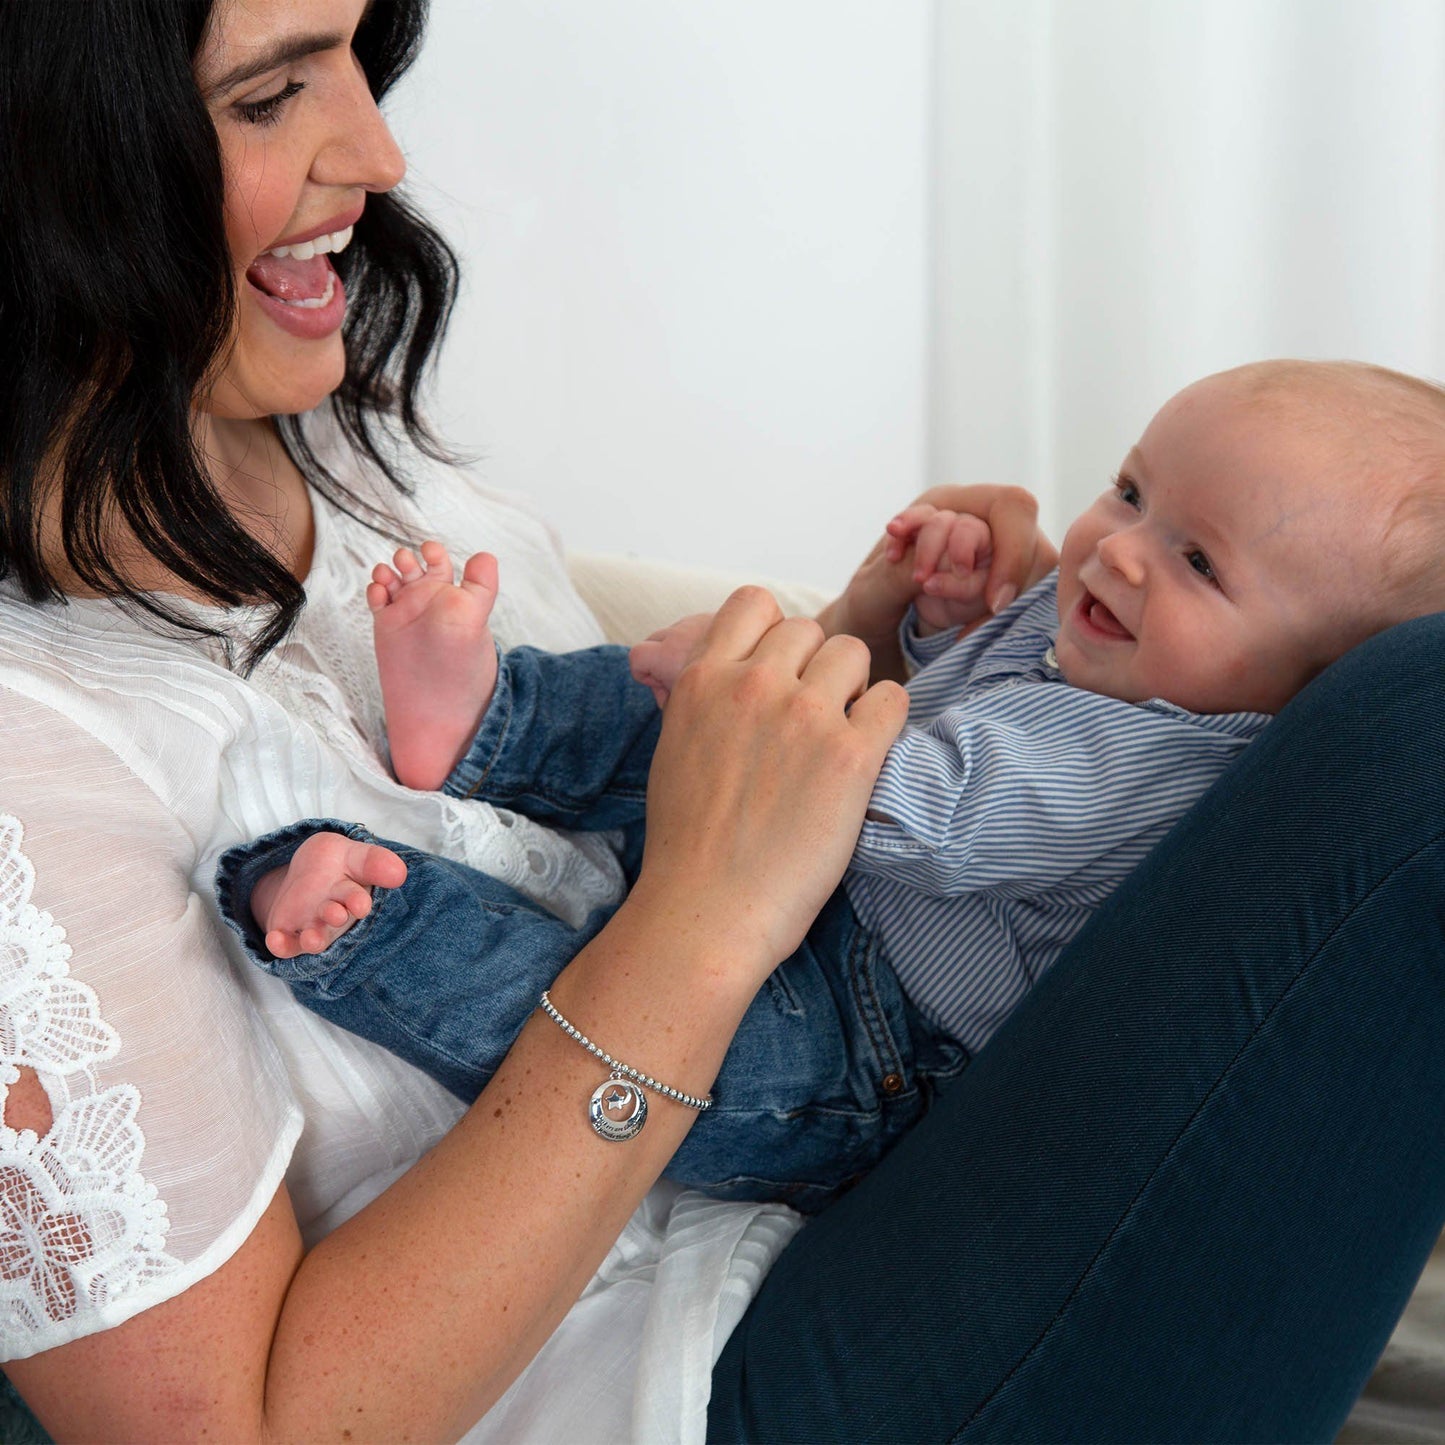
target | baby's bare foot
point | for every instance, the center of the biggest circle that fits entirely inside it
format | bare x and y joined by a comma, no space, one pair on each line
436,657
307,905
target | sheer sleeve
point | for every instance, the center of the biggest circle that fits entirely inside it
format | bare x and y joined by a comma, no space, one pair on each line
172,1119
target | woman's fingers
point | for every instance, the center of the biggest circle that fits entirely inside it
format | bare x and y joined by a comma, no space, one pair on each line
878,717
762,775
790,643
740,622
838,668
1021,553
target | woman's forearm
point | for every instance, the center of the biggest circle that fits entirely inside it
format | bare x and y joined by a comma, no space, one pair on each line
415,1316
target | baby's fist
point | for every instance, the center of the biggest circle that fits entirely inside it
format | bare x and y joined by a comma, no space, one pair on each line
952,552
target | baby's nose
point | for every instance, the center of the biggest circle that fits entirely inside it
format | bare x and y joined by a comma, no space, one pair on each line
1123,553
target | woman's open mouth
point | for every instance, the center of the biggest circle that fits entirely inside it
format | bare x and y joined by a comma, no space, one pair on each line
298,287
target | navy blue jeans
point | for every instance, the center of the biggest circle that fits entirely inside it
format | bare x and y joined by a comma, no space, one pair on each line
1186,1191
830,1065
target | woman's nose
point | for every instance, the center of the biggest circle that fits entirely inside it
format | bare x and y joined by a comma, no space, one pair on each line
1123,552
361,150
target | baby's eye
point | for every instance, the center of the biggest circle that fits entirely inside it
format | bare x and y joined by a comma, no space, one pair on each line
1201,564
1126,491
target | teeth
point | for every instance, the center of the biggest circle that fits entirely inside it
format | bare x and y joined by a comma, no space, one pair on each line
317,246
315,303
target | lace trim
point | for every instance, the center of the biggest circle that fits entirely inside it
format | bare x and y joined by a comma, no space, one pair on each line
79,1225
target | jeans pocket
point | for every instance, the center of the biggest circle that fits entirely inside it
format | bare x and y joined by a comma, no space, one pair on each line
783,994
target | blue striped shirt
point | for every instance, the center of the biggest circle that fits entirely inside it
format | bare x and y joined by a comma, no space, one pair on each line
1011,807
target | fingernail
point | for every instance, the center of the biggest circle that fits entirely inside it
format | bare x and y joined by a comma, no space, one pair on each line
1004,596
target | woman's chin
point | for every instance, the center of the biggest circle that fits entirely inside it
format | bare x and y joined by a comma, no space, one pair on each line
299,378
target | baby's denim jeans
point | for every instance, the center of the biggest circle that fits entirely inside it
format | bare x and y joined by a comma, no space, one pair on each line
830,1064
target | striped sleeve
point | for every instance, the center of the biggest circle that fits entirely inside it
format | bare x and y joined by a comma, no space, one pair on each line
1024,788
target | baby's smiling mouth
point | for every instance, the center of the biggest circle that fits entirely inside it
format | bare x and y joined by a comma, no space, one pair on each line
1097,618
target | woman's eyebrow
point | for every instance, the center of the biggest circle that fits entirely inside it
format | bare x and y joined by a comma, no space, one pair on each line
281,52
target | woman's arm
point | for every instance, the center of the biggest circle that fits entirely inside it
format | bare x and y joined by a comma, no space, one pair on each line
413,1317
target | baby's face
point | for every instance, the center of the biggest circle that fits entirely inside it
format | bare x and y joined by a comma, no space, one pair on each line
1234,559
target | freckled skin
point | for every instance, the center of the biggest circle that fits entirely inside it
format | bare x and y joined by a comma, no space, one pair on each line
27,1105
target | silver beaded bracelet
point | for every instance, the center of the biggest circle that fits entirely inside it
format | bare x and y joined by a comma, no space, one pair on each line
619,1108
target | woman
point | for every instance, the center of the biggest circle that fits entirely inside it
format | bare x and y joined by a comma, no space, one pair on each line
198,1239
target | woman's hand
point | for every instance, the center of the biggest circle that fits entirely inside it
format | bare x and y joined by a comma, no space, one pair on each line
769,749
875,601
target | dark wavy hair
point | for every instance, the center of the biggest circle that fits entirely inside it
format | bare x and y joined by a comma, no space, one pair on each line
108,155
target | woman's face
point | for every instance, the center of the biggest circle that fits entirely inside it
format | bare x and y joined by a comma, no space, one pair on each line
303,144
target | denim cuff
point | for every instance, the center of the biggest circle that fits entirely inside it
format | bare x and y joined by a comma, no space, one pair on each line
468,777
242,867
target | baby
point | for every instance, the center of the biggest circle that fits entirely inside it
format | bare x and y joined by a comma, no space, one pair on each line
1268,520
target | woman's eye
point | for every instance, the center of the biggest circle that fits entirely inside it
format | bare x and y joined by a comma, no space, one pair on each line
1127,492
1201,564
268,109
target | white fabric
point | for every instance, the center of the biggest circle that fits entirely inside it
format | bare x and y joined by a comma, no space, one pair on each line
186,1086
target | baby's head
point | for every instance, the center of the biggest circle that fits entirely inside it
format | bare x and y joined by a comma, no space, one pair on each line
1269,519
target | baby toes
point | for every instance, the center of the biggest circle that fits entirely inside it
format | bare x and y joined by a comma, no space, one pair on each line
408,568
479,577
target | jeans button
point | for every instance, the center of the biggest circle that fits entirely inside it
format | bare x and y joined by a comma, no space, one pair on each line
892,1083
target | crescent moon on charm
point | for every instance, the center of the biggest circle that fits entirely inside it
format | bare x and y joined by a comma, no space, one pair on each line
614,1095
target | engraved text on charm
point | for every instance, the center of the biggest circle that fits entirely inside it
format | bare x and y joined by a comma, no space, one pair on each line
618,1108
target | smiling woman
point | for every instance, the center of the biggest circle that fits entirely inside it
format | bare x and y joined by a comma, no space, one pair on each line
276,129
179,308
287,185
223,1218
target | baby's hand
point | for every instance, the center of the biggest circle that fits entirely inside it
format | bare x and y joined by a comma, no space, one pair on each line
952,552
307,905
657,661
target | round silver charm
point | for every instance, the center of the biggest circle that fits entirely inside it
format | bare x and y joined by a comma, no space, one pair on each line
618,1108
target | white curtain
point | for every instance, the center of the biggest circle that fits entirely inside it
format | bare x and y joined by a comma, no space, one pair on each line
743,275
1130,194
695,245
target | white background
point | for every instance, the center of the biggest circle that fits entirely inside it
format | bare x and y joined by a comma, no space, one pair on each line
744,275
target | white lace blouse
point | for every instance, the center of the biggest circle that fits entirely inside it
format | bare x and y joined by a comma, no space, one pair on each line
186,1086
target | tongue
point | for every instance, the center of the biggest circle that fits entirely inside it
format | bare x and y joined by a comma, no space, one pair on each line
288,278
1105,620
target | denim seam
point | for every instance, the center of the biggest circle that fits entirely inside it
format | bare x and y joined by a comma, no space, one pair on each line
503,728
1184,1130
570,802
870,1008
